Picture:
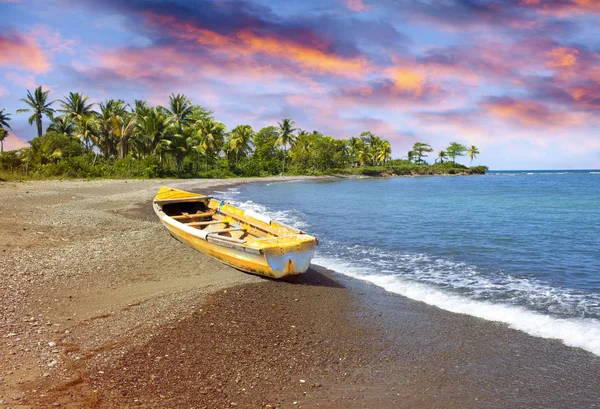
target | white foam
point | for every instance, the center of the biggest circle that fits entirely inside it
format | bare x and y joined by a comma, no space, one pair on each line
469,281
576,332
293,218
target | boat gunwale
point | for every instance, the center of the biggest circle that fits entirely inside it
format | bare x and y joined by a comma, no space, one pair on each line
201,234
294,232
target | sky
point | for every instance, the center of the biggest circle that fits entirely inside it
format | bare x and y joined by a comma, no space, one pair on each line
520,79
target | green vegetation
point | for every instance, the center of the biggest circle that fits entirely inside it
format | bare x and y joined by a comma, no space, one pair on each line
119,140
4,118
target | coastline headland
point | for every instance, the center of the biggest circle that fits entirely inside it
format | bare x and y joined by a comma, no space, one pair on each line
101,308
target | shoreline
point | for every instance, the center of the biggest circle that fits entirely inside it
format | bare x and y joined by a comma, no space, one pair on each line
103,309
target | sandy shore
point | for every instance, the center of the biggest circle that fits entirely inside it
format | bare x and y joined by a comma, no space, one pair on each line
101,308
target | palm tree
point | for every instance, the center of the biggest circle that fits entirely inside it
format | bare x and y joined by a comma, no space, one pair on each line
355,145
153,125
180,144
161,148
240,138
88,130
4,118
371,142
384,152
195,146
302,153
441,156
455,149
364,155
75,106
286,137
108,142
141,107
208,134
181,109
420,150
472,152
3,135
38,102
123,128
62,126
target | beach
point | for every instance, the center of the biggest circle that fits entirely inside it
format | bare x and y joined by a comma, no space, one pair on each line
101,308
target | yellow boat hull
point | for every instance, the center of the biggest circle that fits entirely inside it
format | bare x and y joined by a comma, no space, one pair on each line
274,250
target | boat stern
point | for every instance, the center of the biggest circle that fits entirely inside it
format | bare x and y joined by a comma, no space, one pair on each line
291,258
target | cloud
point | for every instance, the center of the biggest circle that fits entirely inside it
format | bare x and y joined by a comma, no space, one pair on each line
355,5
407,80
462,15
331,33
562,7
51,39
408,85
562,57
14,141
249,43
530,113
21,51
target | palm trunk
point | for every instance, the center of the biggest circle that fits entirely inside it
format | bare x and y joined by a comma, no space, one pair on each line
284,156
39,125
122,148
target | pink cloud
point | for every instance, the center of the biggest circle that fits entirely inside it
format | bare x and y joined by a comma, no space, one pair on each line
162,65
530,113
563,8
14,141
21,51
562,57
355,5
246,44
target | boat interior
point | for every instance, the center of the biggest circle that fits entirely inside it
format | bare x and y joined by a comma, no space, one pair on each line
199,215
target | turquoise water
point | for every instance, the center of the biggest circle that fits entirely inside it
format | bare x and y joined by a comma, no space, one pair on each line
517,247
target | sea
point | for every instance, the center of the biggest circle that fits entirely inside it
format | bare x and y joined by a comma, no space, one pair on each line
517,247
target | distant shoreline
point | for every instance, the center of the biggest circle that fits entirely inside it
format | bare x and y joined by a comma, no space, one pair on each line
365,174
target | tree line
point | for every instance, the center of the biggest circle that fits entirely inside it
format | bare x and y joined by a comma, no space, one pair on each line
116,139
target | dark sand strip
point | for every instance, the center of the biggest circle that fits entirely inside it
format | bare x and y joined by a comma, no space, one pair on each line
323,340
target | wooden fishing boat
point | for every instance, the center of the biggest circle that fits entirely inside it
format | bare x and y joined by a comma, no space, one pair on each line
240,238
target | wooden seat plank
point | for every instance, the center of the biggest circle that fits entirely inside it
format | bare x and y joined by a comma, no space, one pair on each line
192,216
206,223
226,230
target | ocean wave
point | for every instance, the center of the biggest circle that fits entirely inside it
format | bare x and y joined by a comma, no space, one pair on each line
576,332
468,281
291,217
524,303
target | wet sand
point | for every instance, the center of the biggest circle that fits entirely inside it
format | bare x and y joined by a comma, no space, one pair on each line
101,308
